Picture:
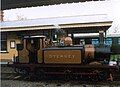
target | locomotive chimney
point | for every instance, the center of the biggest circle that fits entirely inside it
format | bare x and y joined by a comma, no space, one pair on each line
1,15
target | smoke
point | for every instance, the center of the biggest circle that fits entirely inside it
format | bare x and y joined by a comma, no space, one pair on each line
59,32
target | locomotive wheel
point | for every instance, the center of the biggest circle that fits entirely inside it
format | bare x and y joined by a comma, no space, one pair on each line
103,75
68,75
22,71
16,70
95,78
40,74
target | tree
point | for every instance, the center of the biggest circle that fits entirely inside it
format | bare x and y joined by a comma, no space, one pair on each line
21,17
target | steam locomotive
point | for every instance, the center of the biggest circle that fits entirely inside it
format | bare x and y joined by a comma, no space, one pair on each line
38,57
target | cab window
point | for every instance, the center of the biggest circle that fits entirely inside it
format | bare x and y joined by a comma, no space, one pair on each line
108,41
119,40
3,42
95,41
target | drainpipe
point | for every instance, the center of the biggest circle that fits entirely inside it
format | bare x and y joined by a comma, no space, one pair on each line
1,15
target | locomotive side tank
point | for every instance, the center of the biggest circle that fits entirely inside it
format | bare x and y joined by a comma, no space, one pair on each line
64,55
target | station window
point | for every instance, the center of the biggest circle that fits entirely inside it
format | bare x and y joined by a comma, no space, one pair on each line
3,42
118,40
95,41
108,41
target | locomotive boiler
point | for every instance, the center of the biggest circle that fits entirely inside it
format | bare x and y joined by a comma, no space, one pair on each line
39,58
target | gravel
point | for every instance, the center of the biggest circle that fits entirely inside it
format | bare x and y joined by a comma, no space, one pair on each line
16,83
10,79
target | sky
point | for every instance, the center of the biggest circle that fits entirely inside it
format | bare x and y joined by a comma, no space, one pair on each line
109,7
115,15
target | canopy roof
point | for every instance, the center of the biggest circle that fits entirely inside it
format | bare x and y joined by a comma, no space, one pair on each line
12,4
60,22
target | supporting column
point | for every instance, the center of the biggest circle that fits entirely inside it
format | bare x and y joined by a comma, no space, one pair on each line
101,37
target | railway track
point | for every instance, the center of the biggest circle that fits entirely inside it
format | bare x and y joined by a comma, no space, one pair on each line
10,77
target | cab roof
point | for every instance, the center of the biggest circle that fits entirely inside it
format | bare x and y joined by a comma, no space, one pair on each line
27,37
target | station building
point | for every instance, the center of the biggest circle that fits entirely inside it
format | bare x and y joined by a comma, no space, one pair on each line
13,32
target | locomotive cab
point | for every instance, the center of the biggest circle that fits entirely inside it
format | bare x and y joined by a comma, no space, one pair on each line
28,52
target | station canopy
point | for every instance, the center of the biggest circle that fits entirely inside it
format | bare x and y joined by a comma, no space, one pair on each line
12,4
76,24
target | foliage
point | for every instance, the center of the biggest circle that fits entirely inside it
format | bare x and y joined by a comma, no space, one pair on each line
115,57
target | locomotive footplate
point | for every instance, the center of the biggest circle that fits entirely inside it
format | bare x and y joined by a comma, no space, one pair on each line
57,67
62,65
